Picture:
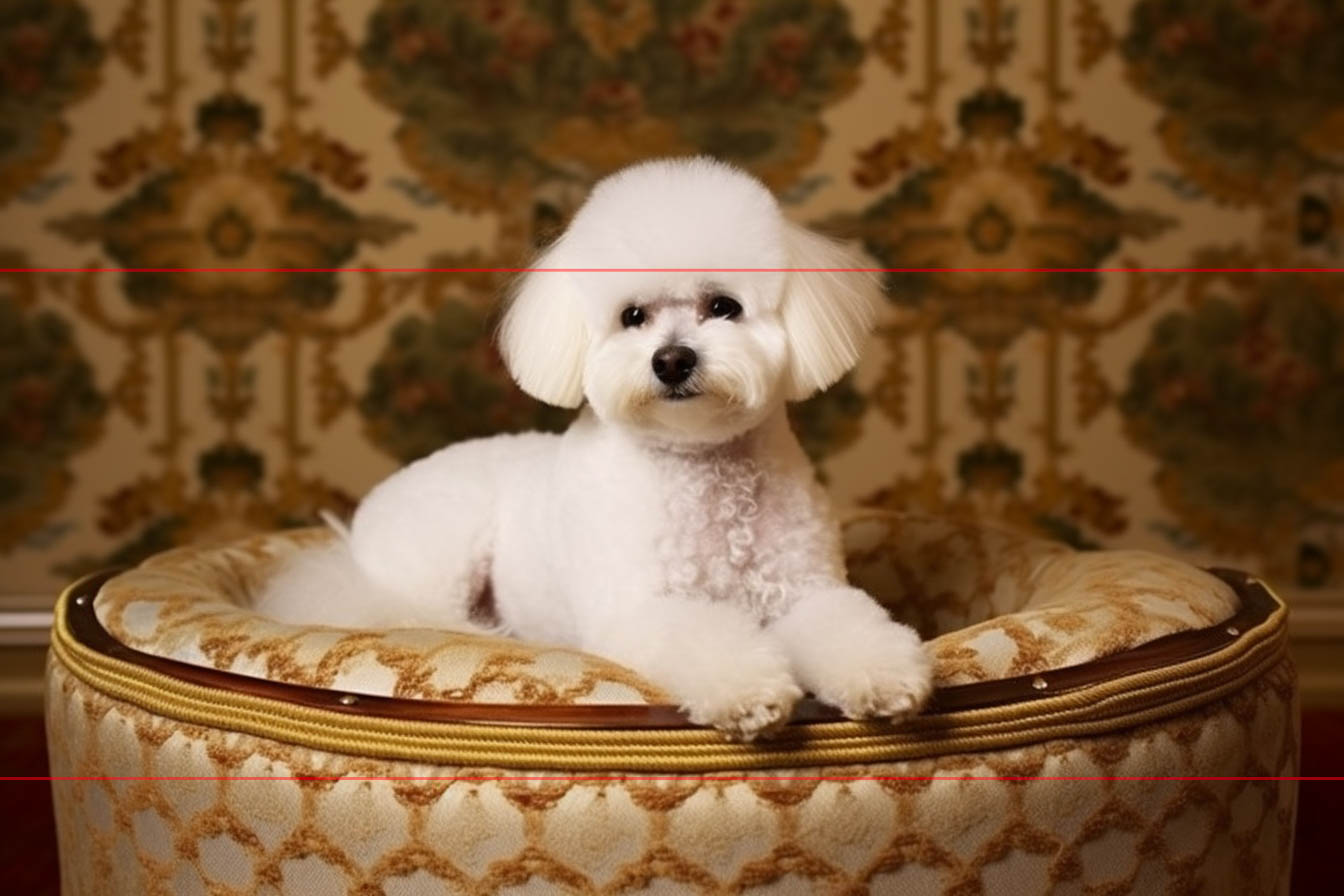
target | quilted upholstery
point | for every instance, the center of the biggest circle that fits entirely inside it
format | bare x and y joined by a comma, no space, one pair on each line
250,827
996,604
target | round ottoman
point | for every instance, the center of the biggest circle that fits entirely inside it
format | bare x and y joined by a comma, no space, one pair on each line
1104,722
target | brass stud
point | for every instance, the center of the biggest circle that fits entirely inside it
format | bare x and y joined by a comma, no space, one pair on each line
348,700
1039,683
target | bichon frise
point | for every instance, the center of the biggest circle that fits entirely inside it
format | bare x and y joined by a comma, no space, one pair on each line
677,526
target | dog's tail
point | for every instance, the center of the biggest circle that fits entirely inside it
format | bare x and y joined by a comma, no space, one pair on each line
336,524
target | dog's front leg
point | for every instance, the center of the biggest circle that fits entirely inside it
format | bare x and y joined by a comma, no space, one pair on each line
847,652
719,664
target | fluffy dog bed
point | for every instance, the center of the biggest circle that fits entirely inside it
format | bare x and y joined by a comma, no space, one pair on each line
202,748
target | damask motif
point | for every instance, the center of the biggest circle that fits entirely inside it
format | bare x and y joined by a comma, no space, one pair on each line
497,92
1252,369
993,236
999,235
227,499
1304,225
49,59
830,420
431,372
49,409
230,239
1253,97
1239,394
234,238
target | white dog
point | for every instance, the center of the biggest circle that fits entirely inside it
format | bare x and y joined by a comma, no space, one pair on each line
677,526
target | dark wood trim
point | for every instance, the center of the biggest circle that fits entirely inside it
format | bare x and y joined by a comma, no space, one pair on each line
1256,606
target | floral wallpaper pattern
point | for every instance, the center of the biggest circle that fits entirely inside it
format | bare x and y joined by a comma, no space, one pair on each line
250,251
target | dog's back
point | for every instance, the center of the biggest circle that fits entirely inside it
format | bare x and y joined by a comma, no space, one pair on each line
420,546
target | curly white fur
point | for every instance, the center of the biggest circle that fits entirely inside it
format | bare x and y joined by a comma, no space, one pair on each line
675,527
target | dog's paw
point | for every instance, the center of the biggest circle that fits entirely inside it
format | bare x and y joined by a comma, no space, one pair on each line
890,678
744,713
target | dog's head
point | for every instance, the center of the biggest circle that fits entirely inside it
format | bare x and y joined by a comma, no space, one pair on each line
681,302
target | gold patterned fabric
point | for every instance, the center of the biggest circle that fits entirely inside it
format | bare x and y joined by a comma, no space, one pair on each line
996,604
213,811
181,790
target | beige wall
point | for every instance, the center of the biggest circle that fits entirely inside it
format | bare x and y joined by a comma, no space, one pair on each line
1196,414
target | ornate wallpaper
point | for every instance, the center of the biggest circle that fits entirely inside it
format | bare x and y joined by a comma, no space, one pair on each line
1109,218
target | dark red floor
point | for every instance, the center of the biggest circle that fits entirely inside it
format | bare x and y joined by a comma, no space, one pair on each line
1320,805
28,847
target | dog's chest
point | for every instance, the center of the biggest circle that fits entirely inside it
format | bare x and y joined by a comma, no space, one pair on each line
711,544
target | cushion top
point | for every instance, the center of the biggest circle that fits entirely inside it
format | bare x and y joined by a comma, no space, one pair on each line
993,604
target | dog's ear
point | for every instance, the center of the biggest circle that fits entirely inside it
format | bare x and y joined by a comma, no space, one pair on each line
543,338
828,308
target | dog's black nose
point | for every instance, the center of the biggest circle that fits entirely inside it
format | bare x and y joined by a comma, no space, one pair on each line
673,364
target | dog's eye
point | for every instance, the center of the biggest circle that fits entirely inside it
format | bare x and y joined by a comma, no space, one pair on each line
633,316
724,306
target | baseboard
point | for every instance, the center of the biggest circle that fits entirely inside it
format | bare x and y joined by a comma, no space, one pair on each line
22,671
1320,671
24,632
